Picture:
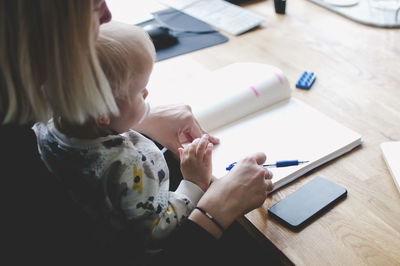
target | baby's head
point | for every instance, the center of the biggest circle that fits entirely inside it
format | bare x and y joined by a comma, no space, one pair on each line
126,54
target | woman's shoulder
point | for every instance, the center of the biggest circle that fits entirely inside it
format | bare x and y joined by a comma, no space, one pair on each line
17,139
13,130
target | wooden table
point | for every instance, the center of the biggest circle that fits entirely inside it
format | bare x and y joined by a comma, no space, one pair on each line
358,84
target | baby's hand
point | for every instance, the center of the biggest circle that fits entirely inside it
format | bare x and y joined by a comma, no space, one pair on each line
196,163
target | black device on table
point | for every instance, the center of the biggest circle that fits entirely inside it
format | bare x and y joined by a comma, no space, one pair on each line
174,33
300,207
161,36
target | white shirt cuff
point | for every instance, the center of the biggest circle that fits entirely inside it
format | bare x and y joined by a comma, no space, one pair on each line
191,190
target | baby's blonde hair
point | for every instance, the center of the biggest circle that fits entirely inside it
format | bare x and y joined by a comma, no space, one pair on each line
48,64
124,51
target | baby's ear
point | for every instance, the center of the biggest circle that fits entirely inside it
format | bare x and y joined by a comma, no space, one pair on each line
103,120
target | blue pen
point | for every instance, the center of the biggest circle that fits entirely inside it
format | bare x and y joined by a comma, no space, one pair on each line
277,164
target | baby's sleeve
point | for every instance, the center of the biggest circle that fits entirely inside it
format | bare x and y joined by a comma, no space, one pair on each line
146,198
180,205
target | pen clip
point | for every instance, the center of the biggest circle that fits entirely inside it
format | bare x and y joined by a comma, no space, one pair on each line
230,166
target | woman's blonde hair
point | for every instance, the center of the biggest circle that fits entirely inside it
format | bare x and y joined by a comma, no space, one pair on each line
48,64
124,51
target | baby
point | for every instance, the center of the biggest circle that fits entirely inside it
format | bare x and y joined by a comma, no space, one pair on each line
112,171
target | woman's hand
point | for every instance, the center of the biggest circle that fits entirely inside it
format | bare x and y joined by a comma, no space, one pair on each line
172,125
196,165
243,189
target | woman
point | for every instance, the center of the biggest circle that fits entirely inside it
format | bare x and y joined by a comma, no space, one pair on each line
48,66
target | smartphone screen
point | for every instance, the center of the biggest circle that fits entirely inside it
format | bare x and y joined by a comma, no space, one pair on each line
300,207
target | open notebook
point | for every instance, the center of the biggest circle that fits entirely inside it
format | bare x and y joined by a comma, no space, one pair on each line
250,108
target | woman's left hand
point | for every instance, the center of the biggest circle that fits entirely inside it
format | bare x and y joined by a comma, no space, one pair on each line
172,125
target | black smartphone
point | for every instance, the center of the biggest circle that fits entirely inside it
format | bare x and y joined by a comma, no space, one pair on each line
302,206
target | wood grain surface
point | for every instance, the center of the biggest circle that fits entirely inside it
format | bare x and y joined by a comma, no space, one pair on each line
358,84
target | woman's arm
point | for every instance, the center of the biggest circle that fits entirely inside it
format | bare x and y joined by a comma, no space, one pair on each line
171,126
243,189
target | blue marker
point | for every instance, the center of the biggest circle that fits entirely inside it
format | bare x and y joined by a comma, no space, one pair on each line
277,164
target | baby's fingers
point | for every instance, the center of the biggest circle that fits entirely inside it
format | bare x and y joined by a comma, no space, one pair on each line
201,148
192,147
208,154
